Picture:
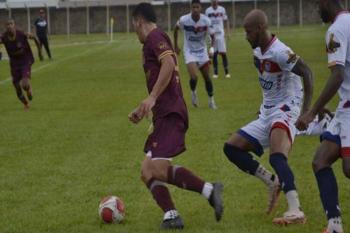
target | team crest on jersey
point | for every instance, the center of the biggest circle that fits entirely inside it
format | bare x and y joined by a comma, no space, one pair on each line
162,45
267,66
332,45
292,57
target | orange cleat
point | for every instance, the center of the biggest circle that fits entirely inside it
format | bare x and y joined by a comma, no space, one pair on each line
291,217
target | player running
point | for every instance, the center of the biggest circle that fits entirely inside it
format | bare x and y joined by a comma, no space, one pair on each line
21,59
217,15
336,140
170,122
196,26
280,72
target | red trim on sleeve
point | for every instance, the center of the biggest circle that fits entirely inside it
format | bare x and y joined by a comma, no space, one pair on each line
345,152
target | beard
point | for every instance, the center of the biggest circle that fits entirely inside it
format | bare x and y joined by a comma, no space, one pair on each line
325,16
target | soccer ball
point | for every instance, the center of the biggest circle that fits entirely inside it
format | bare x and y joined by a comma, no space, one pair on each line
111,209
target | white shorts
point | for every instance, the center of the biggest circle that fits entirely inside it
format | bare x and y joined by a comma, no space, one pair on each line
338,131
220,43
200,58
258,132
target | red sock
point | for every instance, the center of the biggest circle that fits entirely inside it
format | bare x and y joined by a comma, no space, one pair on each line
183,178
161,195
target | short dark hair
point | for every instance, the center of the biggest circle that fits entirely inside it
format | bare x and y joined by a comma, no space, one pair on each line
196,1
146,11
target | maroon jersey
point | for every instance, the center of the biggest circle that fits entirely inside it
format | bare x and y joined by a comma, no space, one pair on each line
157,46
18,49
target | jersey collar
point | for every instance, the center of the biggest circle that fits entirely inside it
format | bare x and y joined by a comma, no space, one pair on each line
273,39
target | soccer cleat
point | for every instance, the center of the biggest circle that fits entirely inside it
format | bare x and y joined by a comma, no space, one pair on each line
194,99
274,193
215,76
228,76
215,200
212,104
291,217
26,107
173,223
326,231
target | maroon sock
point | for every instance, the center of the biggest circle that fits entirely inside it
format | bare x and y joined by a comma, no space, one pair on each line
183,178
161,195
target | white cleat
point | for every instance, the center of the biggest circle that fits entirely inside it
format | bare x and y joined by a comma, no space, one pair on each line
291,217
212,104
274,194
194,99
228,76
215,76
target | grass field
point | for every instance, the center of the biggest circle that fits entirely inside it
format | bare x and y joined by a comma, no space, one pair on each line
75,145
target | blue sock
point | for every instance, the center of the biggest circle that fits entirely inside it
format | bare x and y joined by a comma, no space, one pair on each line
279,163
327,184
242,159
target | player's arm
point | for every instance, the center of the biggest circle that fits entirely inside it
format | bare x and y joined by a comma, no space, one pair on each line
164,77
32,37
302,70
176,35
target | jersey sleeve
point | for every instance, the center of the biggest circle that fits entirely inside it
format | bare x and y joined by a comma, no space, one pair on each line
224,15
286,59
161,47
336,44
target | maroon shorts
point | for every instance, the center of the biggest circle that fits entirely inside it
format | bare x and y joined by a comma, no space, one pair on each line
20,72
168,137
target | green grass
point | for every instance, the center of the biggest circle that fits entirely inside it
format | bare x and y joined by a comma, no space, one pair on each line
75,145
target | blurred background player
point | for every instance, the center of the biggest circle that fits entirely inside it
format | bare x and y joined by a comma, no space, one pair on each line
280,71
170,122
196,27
21,59
41,31
217,15
336,140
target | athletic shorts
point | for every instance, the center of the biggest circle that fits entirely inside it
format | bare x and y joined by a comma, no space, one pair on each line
258,132
200,58
220,43
338,131
168,137
20,72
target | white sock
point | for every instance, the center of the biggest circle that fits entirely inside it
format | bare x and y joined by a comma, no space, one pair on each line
266,176
207,189
335,224
171,214
293,200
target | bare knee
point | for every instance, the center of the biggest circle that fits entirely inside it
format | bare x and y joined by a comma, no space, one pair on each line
319,162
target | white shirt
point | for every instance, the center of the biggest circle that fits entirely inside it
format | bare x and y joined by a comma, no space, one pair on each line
217,17
195,33
338,49
278,83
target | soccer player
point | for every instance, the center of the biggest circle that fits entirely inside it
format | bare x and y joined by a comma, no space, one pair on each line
280,72
217,15
170,122
41,31
196,26
336,140
21,59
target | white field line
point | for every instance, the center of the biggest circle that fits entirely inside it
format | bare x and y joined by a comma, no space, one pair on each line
58,61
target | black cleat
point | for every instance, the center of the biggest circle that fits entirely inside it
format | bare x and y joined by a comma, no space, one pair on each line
174,223
215,200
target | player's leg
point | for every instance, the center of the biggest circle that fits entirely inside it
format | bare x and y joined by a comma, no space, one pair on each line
205,68
25,81
237,150
45,42
280,145
222,52
153,174
192,70
215,64
327,153
20,95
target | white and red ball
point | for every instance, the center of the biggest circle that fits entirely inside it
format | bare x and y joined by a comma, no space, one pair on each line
111,209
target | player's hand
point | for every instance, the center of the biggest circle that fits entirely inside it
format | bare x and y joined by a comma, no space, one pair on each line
146,106
133,116
211,52
304,120
177,50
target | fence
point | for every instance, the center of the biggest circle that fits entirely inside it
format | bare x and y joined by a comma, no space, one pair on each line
73,19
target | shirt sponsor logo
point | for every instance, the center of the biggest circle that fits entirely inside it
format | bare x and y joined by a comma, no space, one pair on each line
265,84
